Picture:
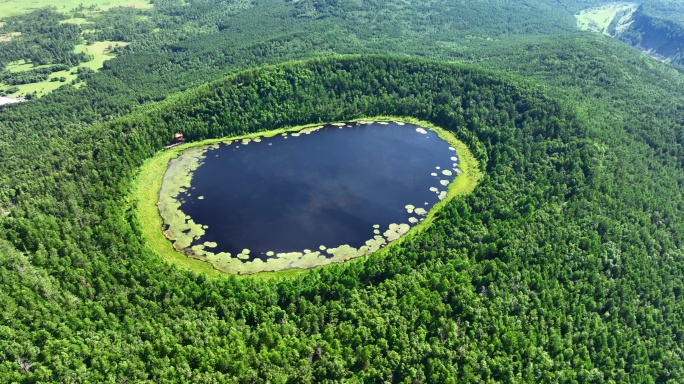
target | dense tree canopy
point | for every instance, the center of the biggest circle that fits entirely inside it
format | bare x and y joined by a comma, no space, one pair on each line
520,279
564,265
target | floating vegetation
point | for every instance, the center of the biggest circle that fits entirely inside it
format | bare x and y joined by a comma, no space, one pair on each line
306,259
409,208
447,172
421,130
246,141
454,158
372,245
399,123
434,189
376,226
395,231
181,230
286,260
442,195
338,124
210,244
438,167
421,211
307,131
199,197
383,123
444,182
434,174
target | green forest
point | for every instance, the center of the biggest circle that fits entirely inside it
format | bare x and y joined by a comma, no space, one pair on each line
564,265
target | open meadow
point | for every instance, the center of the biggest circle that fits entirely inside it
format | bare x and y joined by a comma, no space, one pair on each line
99,51
10,8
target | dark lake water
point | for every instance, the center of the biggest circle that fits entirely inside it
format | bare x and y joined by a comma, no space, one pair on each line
327,188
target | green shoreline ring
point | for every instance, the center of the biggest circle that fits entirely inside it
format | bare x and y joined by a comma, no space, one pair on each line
145,195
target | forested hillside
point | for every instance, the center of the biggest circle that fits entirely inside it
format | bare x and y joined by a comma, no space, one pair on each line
564,265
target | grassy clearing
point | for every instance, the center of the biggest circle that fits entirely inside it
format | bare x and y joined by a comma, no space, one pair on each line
22,65
9,36
10,8
145,193
99,50
75,21
600,18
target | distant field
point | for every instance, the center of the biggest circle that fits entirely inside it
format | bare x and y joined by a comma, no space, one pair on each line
600,18
75,20
22,65
9,36
99,51
13,7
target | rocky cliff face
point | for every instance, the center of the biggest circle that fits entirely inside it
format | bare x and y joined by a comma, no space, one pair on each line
660,38
644,26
